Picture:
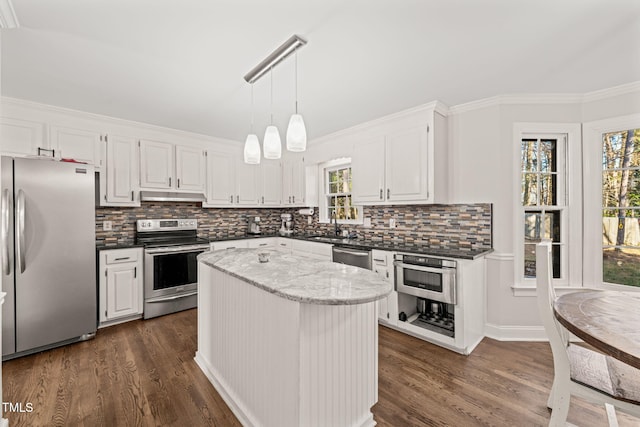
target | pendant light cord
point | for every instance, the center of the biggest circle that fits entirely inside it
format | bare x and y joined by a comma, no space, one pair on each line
271,73
296,68
251,107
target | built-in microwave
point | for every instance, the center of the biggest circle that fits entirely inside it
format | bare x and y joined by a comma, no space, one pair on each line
426,277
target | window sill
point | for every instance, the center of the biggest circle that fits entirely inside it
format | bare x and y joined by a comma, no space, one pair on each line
521,290
342,221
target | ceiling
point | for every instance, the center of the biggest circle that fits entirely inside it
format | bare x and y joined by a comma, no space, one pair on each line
180,64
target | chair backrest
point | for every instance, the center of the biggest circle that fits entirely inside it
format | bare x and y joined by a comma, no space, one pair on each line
558,338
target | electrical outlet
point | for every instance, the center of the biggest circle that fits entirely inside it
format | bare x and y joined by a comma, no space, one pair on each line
107,225
309,220
392,223
367,223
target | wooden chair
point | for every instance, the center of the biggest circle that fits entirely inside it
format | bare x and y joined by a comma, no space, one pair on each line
579,371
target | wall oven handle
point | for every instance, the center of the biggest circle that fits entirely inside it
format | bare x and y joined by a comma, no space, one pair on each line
176,250
171,298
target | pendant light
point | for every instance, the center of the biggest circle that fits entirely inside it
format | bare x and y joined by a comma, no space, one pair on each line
252,145
271,144
296,132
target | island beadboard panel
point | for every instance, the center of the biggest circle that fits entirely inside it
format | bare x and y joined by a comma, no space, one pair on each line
464,225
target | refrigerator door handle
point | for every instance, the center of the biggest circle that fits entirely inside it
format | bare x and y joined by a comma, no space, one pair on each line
20,249
6,212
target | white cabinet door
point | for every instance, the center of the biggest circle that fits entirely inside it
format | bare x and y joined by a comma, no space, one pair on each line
293,182
228,244
123,297
20,137
78,144
406,166
190,168
120,172
367,169
156,164
120,285
246,183
262,243
270,183
221,178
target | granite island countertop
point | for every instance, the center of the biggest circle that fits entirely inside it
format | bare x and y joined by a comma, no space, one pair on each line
300,278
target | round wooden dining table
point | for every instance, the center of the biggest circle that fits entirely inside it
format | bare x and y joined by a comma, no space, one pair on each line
607,320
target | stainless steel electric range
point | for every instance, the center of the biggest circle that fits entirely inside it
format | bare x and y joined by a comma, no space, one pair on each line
171,248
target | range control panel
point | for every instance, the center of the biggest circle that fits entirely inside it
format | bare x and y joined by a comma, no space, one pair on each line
166,224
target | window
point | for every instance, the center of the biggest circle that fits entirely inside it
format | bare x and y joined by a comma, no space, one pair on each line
621,207
543,206
337,185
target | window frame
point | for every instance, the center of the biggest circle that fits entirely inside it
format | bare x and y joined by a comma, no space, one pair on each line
324,170
571,216
592,249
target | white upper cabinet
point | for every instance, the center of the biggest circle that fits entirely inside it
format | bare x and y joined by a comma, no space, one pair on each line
367,169
221,179
247,177
156,164
21,137
119,180
406,165
190,169
77,144
293,181
164,165
398,164
270,183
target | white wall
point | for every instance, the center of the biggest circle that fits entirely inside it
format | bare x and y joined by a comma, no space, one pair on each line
481,144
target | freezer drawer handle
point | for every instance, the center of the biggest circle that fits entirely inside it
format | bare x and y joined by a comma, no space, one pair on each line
20,231
6,209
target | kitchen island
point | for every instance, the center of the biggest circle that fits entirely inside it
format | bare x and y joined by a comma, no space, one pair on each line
292,341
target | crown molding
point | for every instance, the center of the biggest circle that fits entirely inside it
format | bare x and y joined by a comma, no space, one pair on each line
546,98
436,106
612,91
8,18
47,108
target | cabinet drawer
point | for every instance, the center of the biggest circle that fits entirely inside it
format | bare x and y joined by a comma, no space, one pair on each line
121,255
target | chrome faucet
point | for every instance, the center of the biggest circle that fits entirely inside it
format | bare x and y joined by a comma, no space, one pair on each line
335,224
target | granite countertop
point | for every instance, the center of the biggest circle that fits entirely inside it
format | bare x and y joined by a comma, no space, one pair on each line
300,278
458,252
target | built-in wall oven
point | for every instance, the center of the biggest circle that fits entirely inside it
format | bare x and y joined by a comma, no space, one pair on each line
171,248
432,281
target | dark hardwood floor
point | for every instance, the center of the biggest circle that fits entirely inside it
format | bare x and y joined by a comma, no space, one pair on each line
142,373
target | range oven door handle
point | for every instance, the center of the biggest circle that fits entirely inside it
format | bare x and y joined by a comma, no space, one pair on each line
171,298
177,249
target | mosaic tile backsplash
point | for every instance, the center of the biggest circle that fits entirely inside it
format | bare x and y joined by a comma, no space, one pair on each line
462,225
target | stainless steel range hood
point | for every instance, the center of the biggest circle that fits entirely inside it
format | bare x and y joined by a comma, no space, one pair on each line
168,196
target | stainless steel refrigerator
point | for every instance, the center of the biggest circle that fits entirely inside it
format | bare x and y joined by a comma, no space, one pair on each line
48,254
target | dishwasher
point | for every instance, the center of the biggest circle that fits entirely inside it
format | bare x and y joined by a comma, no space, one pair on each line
349,256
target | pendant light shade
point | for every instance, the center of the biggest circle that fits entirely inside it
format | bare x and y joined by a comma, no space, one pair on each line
272,143
296,134
252,150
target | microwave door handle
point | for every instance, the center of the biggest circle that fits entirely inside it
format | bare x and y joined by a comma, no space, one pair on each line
6,212
443,270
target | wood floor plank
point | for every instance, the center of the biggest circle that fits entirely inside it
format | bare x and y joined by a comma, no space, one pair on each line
142,373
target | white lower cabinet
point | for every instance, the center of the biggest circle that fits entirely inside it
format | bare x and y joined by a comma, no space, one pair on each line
321,251
120,285
382,264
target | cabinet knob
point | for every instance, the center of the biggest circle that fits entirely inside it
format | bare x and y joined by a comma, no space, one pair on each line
294,198
381,194
388,193
263,200
178,182
169,181
237,198
231,198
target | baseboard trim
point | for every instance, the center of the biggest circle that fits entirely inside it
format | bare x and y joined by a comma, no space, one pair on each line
515,333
